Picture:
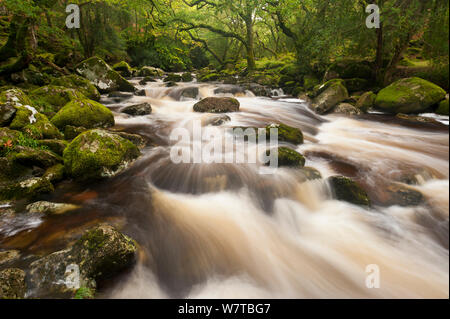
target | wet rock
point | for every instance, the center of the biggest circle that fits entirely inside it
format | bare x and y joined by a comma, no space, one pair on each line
366,101
12,284
49,208
123,68
258,89
286,133
56,146
85,113
34,124
120,95
402,195
217,105
191,93
80,84
100,253
136,139
346,108
98,154
8,256
289,158
28,188
417,119
330,97
147,79
187,77
141,92
410,95
150,71
173,78
35,157
443,108
103,76
347,190
70,132
171,84
231,89
54,174
215,119
138,109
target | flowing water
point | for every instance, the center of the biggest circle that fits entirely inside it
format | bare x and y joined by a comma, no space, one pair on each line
228,231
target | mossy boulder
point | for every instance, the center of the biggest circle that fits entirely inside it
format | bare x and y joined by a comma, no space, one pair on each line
150,71
35,157
409,95
50,99
10,98
217,105
34,124
334,94
289,158
70,132
85,113
103,76
187,77
138,109
101,253
98,154
54,145
49,208
286,133
12,284
366,101
123,68
78,83
29,188
347,109
443,108
347,190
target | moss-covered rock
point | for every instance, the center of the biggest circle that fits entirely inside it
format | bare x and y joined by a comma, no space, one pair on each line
85,113
345,189
55,173
310,173
334,94
286,133
217,105
78,83
103,76
100,253
150,71
410,95
98,154
173,77
9,100
289,158
211,77
187,77
138,109
29,188
50,99
70,132
12,284
85,293
34,124
443,108
35,157
48,208
56,146
123,68
366,101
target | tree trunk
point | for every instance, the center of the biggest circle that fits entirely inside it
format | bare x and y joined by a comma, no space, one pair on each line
250,45
379,57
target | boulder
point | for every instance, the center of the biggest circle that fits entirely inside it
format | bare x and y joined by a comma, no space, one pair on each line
286,133
217,105
9,100
103,76
34,124
366,101
329,98
402,195
101,253
347,109
443,108
12,284
56,146
215,119
70,132
54,174
79,84
190,92
150,71
289,158
35,157
187,77
49,208
8,256
138,109
123,68
410,95
173,77
347,190
50,99
85,113
28,188
98,154
147,79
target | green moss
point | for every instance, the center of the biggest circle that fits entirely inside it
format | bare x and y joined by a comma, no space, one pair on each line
98,154
50,99
29,188
286,133
173,78
40,128
85,293
410,95
85,113
78,83
366,101
443,108
289,158
310,81
123,68
187,77
347,190
211,77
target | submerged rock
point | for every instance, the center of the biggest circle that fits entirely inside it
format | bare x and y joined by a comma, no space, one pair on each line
410,95
310,173
286,133
402,195
215,119
138,109
103,76
289,158
12,284
347,190
80,84
98,154
217,105
334,93
8,256
49,208
85,113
